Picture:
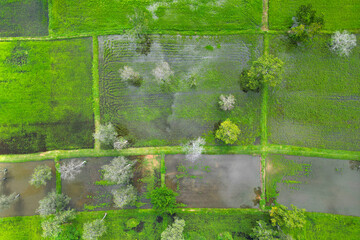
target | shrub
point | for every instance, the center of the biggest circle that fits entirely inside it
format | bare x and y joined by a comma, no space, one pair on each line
249,84
94,230
224,236
120,143
175,231
71,168
228,132
162,73
42,173
130,76
281,216
119,170
343,43
194,148
264,232
132,223
53,203
52,225
227,102
6,201
124,196
106,134
163,199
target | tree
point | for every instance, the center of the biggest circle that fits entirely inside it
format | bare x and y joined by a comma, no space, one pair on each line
281,216
42,173
305,24
53,203
194,148
130,76
342,43
52,225
6,201
266,69
95,229
163,199
247,83
71,168
106,134
264,232
228,132
224,236
120,143
227,102
124,196
162,72
119,170
175,231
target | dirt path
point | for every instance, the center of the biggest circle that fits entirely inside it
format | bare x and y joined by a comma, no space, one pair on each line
265,20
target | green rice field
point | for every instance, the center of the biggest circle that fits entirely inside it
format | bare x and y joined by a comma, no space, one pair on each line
46,97
338,15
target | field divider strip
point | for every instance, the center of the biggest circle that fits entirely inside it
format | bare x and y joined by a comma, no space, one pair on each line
58,175
96,88
162,170
263,180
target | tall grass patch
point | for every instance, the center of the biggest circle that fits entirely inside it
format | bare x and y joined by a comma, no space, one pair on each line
45,95
318,104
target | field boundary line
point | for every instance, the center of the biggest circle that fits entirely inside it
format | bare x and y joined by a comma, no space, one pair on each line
162,170
265,16
58,175
95,88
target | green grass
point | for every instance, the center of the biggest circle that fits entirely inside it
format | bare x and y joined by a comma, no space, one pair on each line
76,17
58,175
46,99
338,15
318,104
23,18
95,74
156,115
20,228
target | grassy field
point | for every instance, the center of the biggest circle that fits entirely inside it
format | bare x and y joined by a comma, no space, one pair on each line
23,18
70,16
338,15
200,224
157,115
318,104
46,97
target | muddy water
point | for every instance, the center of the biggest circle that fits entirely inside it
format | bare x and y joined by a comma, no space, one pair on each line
18,176
215,181
84,192
328,185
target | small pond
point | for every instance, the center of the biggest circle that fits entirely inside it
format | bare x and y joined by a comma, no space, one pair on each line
17,180
316,184
215,181
86,193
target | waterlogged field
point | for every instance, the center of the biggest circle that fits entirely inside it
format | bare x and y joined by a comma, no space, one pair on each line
318,104
166,114
93,15
17,180
215,181
316,184
45,95
89,191
23,18
338,15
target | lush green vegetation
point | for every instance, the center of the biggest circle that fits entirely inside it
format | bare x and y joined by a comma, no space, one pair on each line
69,16
23,18
45,95
318,103
338,15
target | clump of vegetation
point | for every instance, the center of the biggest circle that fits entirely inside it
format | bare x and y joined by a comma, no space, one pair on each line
18,57
6,201
120,143
41,174
53,203
163,199
175,231
224,236
162,73
282,217
106,134
140,30
124,196
342,43
228,132
95,229
71,168
227,103
264,232
119,170
132,223
305,24
130,76
266,69
194,148
52,225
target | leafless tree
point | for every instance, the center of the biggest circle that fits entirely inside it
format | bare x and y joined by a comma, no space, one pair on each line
119,170
71,168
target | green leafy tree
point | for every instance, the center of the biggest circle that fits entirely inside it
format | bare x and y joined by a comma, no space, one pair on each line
42,173
53,203
264,232
52,225
6,201
228,132
225,236
95,229
267,69
163,199
175,231
306,24
249,84
282,217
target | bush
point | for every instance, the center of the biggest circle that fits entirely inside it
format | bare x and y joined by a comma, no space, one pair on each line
41,174
130,76
94,230
343,43
175,231
227,102
119,170
228,132
193,149
53,203
281,216
264,232
224,236
124,196
162,73
132,223
163,199
106,134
